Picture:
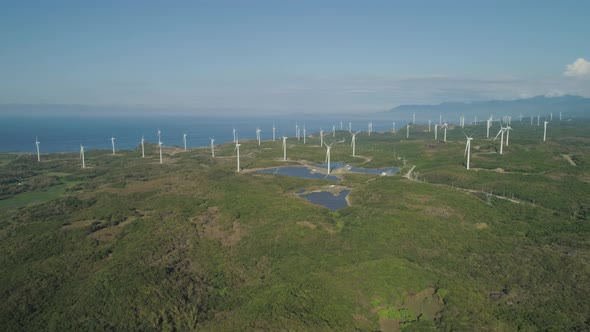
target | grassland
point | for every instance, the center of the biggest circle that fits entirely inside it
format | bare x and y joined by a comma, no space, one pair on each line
129,244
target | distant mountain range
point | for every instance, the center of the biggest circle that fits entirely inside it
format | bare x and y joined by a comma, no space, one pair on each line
570,106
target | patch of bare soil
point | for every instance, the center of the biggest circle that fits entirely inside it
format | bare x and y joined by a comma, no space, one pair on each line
109,233
78,224
212,228
307,224
481,225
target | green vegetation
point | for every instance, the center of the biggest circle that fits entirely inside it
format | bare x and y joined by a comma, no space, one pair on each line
129,244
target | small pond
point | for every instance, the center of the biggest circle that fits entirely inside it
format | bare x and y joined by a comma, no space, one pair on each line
349,168
327,199
300,172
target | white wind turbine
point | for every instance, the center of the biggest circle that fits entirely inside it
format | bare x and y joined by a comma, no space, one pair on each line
37,144
82,156
328,148
304,134
468,148
393,127
488,126
321,137
353,142
429,125
113,143
333,131
273,131
160,144
159,135
501,134
445,126
297,130
414,118
285,148
370,128
408,130
508,129
142,148
350,126
258,135
435,132
184,141
237,150
212,147
234,132
545,130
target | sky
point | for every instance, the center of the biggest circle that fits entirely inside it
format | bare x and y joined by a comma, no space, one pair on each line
290,56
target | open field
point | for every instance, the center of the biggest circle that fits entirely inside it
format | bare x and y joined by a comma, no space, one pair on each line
129,244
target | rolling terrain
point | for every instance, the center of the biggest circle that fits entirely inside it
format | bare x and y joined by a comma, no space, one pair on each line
191,244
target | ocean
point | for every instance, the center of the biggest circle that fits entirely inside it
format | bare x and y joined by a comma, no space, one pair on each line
65,134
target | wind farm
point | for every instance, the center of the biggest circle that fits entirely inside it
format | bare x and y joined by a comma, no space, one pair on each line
295,166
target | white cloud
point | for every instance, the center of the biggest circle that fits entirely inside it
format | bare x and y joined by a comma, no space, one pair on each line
580,68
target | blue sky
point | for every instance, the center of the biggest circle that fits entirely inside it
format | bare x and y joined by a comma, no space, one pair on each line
285,56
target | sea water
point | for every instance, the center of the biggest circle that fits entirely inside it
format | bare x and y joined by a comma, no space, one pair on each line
66,134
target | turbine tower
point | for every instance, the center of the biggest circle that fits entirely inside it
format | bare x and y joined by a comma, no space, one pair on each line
353,142
184,141
113,143
273,131
234,132
304,134
436,132
545,130
501,134
82,156
508,129
284,148
37,144
393,127
445,126
142,148
468,148
408,130
160,145
328,149
237,150
429,125
258,135
370,128
212,147
321,137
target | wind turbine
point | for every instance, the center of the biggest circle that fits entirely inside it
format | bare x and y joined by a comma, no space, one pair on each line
468,148
113,143
321,137
333,131
370,128
184,141
142,148
393,127
159,135
234,132
538,119
408,130
273,131
237,150
285,148
508,129
340,125
212,147
297,131
501,134
37,144
545,130
350,126
429,125
559,116
436,132
353,142
304,134
82,156
413,118
445,126
488,125
160,145
258,135
329,147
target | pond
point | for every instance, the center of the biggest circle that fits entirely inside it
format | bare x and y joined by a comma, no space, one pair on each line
349,168
300,172
327,199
